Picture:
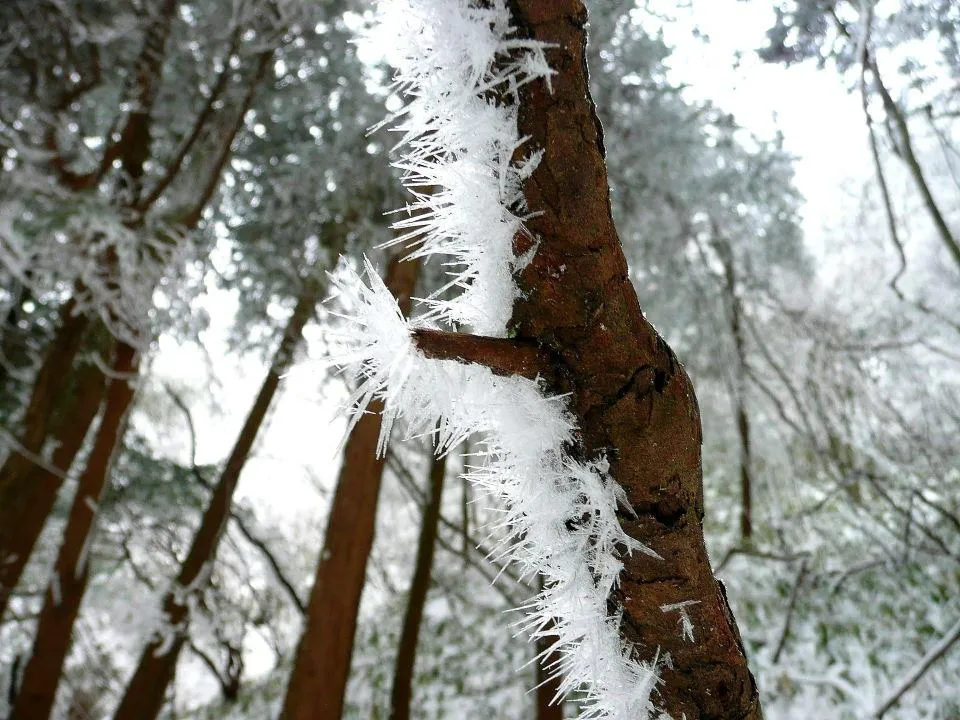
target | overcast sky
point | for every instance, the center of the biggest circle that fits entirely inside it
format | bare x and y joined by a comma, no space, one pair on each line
821,122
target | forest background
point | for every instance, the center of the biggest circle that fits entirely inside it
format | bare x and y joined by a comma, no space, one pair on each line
791,219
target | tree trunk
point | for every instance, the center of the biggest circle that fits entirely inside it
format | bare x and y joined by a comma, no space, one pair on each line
40,484
319,678
62,601
402,692
633,400
49,383
549,702
132,149
739,390
143,698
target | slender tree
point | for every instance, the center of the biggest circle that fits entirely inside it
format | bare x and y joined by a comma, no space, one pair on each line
131,189
71,573
401,694
318,681
145,693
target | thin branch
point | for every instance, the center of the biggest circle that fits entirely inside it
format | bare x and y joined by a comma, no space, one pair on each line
501,355
271,561
926,662
904,147
190,219
201,121
234,515
208,661
862,54
750,552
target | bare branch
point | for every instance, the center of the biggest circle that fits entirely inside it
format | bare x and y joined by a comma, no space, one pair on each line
501,355
926,662
271,561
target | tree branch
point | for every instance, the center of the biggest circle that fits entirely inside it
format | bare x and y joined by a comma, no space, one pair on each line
271,560
200,123
926,662
501,356
190,218
791,607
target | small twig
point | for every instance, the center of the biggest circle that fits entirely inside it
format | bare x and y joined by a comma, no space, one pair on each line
271,561
738,550
851,571
234,515
926,662
791,607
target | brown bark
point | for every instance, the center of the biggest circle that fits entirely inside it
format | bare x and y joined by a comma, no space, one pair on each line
322,665
147,688
134,142
132,148
634,402
69,581
402,692
37,492
549,705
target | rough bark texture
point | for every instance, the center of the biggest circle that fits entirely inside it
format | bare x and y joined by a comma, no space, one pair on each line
632,398
402,692
39,485
69,581
322,665
144,696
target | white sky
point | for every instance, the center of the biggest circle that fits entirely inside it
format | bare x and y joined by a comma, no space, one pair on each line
821,122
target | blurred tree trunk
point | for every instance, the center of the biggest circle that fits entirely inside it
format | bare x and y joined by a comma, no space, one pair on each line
144,695
15,543
41,676
41,483
402,692
549,702
739,389
131,151
319,677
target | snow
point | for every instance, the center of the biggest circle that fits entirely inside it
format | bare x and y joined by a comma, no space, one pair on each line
457,147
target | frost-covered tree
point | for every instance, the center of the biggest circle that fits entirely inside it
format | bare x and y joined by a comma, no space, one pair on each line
111,164
590,422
